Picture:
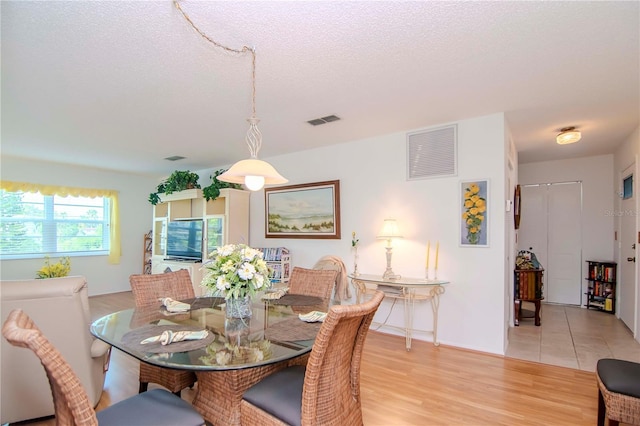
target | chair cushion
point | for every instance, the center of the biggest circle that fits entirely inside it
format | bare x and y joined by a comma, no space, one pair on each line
280,394
620,376
157,407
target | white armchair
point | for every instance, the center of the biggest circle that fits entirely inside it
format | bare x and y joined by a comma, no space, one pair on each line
60,307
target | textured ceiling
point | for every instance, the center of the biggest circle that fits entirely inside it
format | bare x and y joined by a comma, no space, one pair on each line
122,85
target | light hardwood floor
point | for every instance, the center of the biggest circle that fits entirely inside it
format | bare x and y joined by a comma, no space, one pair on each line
428,385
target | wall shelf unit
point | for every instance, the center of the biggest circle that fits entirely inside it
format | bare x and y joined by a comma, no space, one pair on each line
601,282
279,260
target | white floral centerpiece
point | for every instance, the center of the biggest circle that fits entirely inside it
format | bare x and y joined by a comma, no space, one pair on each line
237,272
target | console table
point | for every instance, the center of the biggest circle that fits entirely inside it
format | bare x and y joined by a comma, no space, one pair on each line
404,289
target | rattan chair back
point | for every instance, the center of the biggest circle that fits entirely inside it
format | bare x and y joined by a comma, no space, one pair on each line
312,282
331,387
147,289
71,403
332,378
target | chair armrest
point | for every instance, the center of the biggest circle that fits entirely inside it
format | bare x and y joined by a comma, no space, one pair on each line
99,348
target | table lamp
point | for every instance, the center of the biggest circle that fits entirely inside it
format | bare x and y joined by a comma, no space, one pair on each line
388,232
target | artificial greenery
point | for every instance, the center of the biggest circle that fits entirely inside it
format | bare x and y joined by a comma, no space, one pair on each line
212,191
178,181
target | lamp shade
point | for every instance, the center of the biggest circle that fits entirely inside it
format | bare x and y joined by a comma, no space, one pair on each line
568,135
389,230
250,172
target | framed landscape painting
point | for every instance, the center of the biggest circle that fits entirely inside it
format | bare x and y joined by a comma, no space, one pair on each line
310,210
474,213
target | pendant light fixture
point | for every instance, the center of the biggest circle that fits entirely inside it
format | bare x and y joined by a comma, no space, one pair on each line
252,172
568,135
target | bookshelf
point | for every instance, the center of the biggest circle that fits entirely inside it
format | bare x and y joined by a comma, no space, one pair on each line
147,253
279,260
528,285
601,285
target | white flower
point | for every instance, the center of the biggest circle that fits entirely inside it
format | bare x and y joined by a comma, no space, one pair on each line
246,271
259,281
226,250
222,283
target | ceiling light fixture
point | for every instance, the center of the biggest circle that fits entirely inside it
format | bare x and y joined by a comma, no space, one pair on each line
568,135
254,173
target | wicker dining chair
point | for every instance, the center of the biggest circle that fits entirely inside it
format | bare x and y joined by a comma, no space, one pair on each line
147,289
327,391
312,282
71,403
618,391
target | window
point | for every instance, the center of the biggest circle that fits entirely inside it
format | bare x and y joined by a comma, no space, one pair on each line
32,225
627,187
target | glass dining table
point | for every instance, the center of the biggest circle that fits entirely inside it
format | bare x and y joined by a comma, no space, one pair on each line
234,355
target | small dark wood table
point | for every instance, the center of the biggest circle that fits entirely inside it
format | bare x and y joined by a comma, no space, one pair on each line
528,288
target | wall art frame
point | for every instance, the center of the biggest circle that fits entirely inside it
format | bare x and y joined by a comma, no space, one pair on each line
474,213
309,210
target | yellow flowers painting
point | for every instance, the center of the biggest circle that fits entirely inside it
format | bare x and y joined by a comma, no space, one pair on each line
474,213
54,270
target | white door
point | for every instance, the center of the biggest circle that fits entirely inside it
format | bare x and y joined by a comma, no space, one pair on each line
550,226
532,235
626,281
564,254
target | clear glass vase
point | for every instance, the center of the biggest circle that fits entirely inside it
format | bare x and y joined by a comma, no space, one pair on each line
238,307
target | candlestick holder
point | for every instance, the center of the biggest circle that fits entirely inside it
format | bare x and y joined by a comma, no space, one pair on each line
427,274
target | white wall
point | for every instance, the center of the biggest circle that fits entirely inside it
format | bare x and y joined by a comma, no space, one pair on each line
373,186
596,174
135,214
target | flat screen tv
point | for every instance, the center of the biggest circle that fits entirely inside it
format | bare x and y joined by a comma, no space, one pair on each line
184,240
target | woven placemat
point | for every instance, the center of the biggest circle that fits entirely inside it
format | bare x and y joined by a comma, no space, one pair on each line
204,302
298,300
133,338
292,329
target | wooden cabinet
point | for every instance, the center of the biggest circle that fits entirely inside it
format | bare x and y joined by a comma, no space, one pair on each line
225,221
528,285
601,285
279,260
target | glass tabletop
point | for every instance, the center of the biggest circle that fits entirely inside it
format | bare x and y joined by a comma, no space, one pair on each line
399,282
273,333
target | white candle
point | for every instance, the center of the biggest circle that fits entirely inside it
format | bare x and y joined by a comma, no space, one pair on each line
437,250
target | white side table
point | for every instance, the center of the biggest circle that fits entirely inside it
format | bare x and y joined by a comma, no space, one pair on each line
405,289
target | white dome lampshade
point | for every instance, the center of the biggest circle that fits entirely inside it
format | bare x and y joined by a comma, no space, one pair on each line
568,135
254,173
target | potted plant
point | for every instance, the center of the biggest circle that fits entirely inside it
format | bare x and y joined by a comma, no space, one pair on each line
178,181
212,191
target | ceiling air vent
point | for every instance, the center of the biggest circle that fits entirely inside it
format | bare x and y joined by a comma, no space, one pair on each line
432,153
323,120
175,158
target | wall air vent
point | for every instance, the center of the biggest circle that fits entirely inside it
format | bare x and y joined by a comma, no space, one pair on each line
175,158
432,153
323,120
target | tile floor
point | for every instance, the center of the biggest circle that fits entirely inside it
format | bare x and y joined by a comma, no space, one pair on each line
573,337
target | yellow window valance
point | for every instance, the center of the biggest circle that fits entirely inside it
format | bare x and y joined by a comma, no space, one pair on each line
63,191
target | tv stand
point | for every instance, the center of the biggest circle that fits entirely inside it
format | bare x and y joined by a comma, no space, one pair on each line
226,220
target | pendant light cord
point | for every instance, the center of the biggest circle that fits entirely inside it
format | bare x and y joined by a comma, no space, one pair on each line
244,49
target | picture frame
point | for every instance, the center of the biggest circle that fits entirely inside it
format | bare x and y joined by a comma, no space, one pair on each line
309,210
474,213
